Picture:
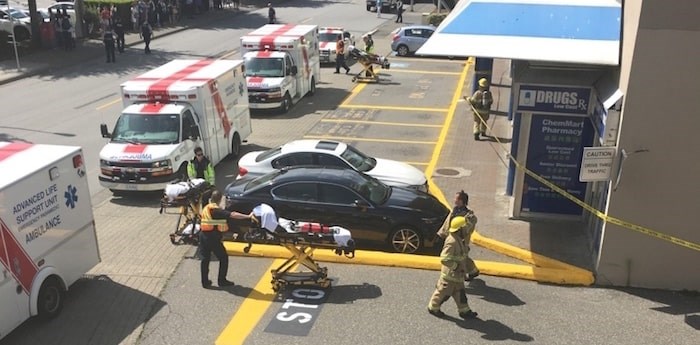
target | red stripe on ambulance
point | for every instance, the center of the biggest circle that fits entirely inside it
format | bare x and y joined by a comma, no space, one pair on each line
16,260
152,108
220,109
135,148
159,89
13,148
268,40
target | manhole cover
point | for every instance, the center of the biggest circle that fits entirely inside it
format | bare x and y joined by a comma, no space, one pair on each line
447,172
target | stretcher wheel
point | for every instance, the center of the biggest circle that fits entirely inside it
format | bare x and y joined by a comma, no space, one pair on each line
246,250
354,79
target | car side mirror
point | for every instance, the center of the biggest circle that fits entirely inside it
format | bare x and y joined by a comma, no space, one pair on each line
294,70
361,204
104,131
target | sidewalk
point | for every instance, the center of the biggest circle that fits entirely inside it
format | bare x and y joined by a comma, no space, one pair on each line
42,61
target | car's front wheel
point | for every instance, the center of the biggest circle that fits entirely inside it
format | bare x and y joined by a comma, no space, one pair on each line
402,50
405,240
21,34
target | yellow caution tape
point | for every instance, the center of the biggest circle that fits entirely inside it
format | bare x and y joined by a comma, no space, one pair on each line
589,208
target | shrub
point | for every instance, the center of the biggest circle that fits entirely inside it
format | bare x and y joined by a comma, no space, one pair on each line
435,19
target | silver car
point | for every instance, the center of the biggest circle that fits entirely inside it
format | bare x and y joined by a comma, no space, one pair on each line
408,39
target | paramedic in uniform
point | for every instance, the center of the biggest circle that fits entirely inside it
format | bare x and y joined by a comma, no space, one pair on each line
481,101
460,209
451,283
214,222
200,167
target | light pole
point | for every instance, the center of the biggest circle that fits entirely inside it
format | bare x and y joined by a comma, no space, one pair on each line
14,39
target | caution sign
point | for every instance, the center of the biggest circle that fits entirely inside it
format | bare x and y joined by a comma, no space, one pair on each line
597,163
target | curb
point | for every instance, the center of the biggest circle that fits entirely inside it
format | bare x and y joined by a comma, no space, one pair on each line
372,258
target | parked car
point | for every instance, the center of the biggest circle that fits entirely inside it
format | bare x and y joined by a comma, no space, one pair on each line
388,6
43,13
335,154
60,6
327,39
408,39
403,219
15,21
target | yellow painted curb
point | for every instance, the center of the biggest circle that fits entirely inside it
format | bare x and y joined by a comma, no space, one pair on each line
521,254
372,258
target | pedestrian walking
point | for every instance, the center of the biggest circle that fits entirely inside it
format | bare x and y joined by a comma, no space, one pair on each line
119,33
452,273
379,8
460,209
481,101
105,18
213,224
146,34
237,4
399,11
66,27
340,56
108,40
271,14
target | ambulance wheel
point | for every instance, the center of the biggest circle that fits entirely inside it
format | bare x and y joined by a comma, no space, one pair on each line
236,145
181,173
312,91
405,240
369,8
402,50
286,103
50,300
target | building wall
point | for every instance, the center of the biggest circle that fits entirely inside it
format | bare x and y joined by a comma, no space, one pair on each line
659,189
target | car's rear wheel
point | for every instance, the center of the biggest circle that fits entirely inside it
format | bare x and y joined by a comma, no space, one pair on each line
50,300
369,8
402,50
405,240
236,145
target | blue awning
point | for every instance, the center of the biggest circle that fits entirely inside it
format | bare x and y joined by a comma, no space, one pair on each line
563,31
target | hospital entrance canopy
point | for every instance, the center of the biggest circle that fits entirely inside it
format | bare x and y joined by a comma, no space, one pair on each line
561,31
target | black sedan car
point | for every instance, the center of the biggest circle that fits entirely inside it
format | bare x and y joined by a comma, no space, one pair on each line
404,219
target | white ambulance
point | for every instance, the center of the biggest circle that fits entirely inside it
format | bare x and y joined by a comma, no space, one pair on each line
167,113
281,64
328,39
47,229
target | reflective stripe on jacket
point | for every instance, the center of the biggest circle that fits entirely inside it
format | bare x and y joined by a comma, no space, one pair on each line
453,259
208,172
210,224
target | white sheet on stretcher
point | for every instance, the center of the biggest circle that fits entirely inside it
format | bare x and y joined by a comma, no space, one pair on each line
269,221
173,190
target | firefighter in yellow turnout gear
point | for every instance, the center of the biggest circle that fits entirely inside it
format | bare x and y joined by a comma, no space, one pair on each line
481,100
454,270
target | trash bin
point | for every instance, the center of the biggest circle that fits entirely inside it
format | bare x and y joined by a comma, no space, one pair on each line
48,35
425,18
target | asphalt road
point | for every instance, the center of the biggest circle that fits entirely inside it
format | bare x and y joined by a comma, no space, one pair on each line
367,304
67,106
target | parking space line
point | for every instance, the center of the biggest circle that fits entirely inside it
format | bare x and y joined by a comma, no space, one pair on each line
354,92
251,310
386,107
416,163
443,133
400,70
427,60
392,141
368,122
109,104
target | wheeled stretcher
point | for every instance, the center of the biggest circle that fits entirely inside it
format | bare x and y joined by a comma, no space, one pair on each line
367,60
188,197
300,239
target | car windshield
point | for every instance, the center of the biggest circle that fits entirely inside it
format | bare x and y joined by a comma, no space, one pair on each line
358,160
370,188
269,153
147,129
328,37
264,67
17,14
262,180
